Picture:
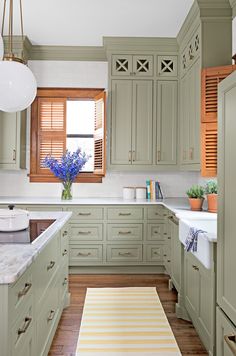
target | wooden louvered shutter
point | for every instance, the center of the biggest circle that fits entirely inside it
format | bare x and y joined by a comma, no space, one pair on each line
209,149
51,130
211,77
99,134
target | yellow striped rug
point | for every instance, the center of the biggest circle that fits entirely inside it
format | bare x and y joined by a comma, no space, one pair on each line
125,321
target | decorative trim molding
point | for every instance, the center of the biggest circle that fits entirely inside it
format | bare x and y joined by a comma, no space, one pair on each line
233,5
68,53
142,44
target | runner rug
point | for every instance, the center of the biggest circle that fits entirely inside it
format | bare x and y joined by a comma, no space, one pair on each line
125,321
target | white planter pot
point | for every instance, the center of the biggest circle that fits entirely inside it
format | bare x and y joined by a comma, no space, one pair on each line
13,220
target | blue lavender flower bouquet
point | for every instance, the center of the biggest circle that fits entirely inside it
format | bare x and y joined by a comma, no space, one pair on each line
67,169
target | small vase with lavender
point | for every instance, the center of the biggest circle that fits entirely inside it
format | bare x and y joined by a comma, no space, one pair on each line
67,169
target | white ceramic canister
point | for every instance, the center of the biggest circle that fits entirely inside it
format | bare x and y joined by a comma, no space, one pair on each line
141,193
128,193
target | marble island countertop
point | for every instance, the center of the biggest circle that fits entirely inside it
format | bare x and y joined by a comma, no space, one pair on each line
15,258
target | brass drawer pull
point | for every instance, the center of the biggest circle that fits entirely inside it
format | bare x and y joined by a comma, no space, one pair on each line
84,232
125,254
51,265
164,255
65,233
130,156
125,232
158,156
65,281
84,214
195,267
169,261
231,342
173,220
169,238
133,156
64,253
25,290
156,253
25,327
51,315
165,233
124,214
84,254
14,155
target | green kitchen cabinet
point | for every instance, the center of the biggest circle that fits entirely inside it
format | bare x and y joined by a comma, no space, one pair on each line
12,140
176,261
225,334
132,65
167,115
190,116
199,287
132,122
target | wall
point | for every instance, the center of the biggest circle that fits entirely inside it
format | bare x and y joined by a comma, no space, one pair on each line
86,75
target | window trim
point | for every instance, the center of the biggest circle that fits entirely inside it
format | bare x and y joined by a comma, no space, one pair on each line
69,94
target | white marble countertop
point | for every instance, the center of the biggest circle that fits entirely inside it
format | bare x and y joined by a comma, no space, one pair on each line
178,206
15,258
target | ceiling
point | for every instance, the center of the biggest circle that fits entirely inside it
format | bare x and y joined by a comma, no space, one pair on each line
85,22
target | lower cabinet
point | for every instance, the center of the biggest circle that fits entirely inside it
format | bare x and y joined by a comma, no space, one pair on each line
176,261
200,299
30,308
225,335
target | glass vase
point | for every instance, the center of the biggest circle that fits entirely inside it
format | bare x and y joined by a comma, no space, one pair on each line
66,193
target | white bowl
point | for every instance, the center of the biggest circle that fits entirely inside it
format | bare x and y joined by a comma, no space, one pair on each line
13,220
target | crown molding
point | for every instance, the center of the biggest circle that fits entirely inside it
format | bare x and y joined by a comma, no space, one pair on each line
130,44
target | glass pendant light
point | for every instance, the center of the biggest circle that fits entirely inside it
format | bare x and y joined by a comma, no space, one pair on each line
17,83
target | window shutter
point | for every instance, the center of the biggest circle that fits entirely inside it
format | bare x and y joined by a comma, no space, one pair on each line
51,130
209,149
211,77
99,134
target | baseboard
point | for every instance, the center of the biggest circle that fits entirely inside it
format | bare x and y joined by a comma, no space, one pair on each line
117,270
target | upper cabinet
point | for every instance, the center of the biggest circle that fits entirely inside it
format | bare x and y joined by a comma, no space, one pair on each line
167,66
204,41
12,140
132,122
132,65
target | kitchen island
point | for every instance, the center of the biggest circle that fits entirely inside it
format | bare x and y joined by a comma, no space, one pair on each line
34,288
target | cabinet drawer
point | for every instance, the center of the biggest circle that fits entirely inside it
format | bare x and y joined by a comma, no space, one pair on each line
124,254
155,232
91,232
22,329
85,253
154,253
125,213
86,213
19,294
155,212
46,266
44,208
124,232
47,318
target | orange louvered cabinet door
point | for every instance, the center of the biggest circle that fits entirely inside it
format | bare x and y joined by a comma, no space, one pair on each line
211,77
99,134
209,149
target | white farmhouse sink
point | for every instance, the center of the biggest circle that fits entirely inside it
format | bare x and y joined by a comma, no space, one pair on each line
204,251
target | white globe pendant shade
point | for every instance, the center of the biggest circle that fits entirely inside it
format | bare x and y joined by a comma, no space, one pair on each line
1,47
17,86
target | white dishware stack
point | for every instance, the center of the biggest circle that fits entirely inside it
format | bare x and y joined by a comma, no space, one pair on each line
141,193
128,193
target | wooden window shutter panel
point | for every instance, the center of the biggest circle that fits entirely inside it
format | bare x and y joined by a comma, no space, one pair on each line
51,130
211,77
209,149
100,134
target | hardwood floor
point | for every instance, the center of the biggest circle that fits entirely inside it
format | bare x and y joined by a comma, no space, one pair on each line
65,340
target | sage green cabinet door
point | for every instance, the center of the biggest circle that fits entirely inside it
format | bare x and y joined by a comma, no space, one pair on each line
175,255
224,331
142,122
194,112
8,138
167,111
184,120
191,285
121,121
226,242
121,65
142,65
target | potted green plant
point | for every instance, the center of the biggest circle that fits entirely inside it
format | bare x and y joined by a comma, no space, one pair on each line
196,197
211,193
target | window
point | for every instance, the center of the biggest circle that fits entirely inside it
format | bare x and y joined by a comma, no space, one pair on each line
67,119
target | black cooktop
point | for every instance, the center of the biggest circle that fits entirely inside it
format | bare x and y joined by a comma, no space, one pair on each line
27,236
